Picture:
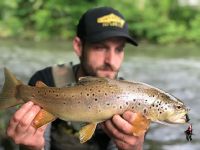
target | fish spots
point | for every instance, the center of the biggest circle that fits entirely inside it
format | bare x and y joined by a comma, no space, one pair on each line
108,104
95,99
145,111
160,111
79,102
120,107
88,94
158,103
127,103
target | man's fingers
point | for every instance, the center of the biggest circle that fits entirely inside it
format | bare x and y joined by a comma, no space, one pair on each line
18,116
121,145
41,130
129,116
21,112
122,125
118,135
20,128
113,131
27,119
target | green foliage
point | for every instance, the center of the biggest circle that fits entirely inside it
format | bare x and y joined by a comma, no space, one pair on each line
156,21
194,33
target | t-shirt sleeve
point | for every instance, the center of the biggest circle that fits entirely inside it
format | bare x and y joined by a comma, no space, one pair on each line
44,75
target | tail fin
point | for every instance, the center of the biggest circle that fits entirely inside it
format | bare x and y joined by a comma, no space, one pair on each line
9,91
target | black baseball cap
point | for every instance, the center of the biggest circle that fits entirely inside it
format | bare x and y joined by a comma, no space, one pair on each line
100,23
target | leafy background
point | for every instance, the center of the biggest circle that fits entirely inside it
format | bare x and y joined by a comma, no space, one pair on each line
157,21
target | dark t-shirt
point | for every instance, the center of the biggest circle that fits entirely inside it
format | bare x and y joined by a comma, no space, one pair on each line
63,136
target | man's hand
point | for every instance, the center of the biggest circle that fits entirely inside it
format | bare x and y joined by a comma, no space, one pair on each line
20,128
120,129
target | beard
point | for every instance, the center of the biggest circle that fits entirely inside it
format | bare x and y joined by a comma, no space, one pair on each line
88,70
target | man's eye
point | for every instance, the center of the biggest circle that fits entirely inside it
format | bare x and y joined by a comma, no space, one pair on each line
120,49
99,47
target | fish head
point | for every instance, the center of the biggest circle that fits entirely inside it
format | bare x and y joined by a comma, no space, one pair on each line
176,113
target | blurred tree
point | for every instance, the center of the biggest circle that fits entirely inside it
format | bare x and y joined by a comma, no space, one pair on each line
156,21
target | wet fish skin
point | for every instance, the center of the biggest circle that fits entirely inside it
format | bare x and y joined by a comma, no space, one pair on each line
94,100
98,99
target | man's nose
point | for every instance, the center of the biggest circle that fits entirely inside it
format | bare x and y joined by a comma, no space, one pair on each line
110,57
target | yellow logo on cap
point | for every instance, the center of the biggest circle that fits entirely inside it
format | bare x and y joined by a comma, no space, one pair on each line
111,20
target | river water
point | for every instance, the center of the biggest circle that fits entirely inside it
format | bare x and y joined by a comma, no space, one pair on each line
178,76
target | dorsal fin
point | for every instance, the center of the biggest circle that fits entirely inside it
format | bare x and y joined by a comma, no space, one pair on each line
89,79
40,84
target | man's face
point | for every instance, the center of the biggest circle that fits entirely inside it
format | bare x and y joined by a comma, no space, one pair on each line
103,59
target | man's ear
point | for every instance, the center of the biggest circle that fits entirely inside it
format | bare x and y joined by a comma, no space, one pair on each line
77,44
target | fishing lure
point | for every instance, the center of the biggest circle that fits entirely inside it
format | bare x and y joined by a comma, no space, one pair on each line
189,133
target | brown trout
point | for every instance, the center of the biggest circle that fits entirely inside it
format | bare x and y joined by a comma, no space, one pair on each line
94,100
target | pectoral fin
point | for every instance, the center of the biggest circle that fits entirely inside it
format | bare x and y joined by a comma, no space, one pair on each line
140,125
86,132
42,118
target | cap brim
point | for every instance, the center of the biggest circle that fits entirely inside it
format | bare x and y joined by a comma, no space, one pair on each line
108,34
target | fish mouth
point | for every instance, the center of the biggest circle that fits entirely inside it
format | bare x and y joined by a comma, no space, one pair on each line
179,119
183,119
187,119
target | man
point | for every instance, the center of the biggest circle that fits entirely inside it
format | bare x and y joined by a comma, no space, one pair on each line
100,41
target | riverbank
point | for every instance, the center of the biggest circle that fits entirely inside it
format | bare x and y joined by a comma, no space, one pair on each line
145,49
